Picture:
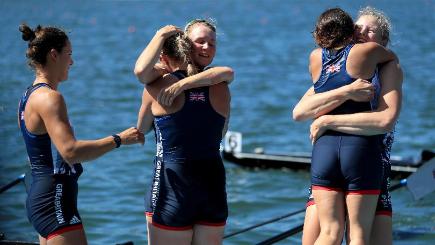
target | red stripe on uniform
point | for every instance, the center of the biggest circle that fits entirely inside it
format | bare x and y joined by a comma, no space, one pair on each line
364,192
63,230
172,228
212,224
386,213
324,188
310,203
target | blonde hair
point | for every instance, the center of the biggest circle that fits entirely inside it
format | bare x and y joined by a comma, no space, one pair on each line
210,23
383,21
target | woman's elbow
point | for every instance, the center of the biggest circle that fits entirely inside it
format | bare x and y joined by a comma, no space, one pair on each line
227,74
69,155
297,115
230,73
387,124
139,73
70,158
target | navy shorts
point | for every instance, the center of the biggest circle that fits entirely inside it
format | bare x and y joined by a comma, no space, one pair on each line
384,205
348,163
52,205
185,193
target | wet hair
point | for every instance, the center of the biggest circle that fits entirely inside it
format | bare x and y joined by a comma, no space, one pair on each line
178,47
334,28
208,23
382,20
40,41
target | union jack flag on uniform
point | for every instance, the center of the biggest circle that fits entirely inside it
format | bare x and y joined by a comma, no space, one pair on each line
196,96
333,68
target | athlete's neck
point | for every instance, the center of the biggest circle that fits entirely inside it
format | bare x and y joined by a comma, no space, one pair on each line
176,67
40,78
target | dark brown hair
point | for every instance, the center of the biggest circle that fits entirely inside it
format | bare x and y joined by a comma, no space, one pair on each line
334,28
41,41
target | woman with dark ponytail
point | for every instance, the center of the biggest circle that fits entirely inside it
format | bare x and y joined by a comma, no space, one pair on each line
42,116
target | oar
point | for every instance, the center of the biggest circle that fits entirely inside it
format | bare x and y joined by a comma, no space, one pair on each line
12,183
426,155
282,236
392,188
299,228
423,183
265,223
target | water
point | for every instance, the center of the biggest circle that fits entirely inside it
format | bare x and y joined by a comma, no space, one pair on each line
266,42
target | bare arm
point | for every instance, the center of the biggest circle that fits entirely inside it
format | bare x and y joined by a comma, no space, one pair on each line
227,99
220,99
375,122
146,68
365,57
208,77
54,114
145,117
313,105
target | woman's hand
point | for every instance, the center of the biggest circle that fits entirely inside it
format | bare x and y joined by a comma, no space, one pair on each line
168,31
145,68
317,128
167,95
131,136
360,90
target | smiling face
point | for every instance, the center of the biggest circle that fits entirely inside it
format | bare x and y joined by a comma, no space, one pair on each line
203,44
368,30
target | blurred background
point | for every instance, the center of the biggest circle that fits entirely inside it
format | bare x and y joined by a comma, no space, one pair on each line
267,43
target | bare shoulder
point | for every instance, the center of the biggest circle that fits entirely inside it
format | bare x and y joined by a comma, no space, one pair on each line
220,89
367,47
315,64
48,102
316,54
45,97
163,82
367,44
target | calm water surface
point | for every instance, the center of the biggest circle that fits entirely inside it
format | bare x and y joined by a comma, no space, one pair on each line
266,42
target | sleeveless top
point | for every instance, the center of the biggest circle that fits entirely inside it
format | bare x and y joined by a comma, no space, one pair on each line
195,131
334,75
39,147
